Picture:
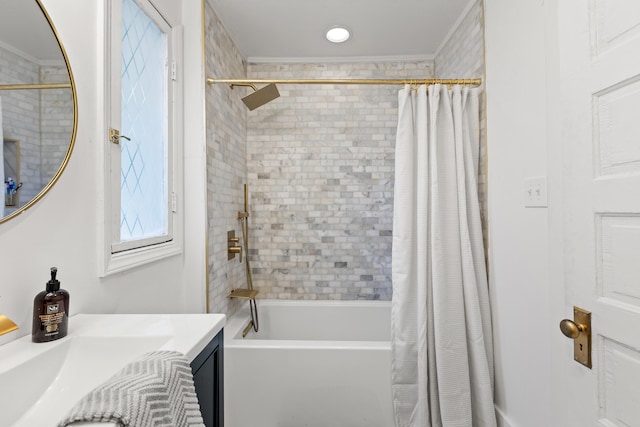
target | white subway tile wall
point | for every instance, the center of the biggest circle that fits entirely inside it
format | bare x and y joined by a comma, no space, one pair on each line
21,115
56,120
321,173
462,56
39,119
319,161
226,162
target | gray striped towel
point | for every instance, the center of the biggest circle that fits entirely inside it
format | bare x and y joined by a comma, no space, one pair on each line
156,390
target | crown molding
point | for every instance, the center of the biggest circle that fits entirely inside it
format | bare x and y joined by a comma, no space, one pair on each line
332,60
455,26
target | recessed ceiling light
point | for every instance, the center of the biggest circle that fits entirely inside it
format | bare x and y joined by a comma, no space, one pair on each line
338,34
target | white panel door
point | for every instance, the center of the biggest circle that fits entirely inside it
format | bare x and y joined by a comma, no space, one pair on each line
600,128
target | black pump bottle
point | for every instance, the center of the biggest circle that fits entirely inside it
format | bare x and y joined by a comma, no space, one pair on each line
50,312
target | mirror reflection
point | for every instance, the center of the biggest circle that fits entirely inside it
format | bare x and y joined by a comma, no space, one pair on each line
11,154
36,104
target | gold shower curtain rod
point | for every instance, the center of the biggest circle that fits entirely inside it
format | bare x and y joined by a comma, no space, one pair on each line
252,82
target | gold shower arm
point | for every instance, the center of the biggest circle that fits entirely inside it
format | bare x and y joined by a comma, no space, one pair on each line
252,83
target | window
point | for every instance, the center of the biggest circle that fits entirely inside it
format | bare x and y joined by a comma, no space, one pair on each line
141,206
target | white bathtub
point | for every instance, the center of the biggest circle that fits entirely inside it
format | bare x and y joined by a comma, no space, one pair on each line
312,364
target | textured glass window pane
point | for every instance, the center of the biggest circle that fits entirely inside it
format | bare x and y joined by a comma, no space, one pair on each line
144,211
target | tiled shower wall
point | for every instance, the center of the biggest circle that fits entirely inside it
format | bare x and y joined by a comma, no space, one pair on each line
462,56
226,162
56,121
21,115
42,120
321,166
319,161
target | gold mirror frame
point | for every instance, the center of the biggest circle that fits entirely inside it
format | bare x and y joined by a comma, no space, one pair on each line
74,129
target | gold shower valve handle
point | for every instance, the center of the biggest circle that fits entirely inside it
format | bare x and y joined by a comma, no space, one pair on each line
233,246
236,250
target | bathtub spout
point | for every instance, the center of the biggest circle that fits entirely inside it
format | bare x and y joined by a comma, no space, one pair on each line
247,328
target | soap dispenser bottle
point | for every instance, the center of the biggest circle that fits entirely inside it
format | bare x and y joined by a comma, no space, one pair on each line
50,312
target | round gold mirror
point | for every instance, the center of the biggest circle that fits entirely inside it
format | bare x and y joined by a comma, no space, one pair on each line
38,105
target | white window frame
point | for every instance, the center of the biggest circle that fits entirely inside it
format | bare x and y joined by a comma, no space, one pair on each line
120,256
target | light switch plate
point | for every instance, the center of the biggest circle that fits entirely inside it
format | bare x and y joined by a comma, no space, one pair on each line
535,192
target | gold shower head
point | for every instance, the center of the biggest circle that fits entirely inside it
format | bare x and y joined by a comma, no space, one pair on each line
259,97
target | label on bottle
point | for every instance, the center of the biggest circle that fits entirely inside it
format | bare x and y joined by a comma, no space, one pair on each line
52,317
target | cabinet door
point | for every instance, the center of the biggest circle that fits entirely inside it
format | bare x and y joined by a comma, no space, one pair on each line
207,376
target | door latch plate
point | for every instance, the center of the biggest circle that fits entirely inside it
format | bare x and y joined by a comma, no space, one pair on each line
582,344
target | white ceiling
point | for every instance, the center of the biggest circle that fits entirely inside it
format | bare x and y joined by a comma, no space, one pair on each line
23,27
264,29
287,29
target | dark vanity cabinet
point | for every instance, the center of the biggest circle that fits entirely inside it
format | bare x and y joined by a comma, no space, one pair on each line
208,371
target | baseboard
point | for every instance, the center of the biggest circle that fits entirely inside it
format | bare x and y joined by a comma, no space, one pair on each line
502,419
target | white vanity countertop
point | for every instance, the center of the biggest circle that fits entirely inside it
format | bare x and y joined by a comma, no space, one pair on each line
41,382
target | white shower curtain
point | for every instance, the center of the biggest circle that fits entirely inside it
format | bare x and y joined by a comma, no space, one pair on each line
442,350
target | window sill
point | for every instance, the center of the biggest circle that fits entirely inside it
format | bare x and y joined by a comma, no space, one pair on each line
126,260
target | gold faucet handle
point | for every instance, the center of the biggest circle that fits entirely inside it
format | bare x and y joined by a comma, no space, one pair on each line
6,325
235,250
233,246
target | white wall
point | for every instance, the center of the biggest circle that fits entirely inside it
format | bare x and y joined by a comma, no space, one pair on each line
61,229
519,51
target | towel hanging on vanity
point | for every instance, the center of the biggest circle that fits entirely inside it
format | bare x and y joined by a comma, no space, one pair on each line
155,390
